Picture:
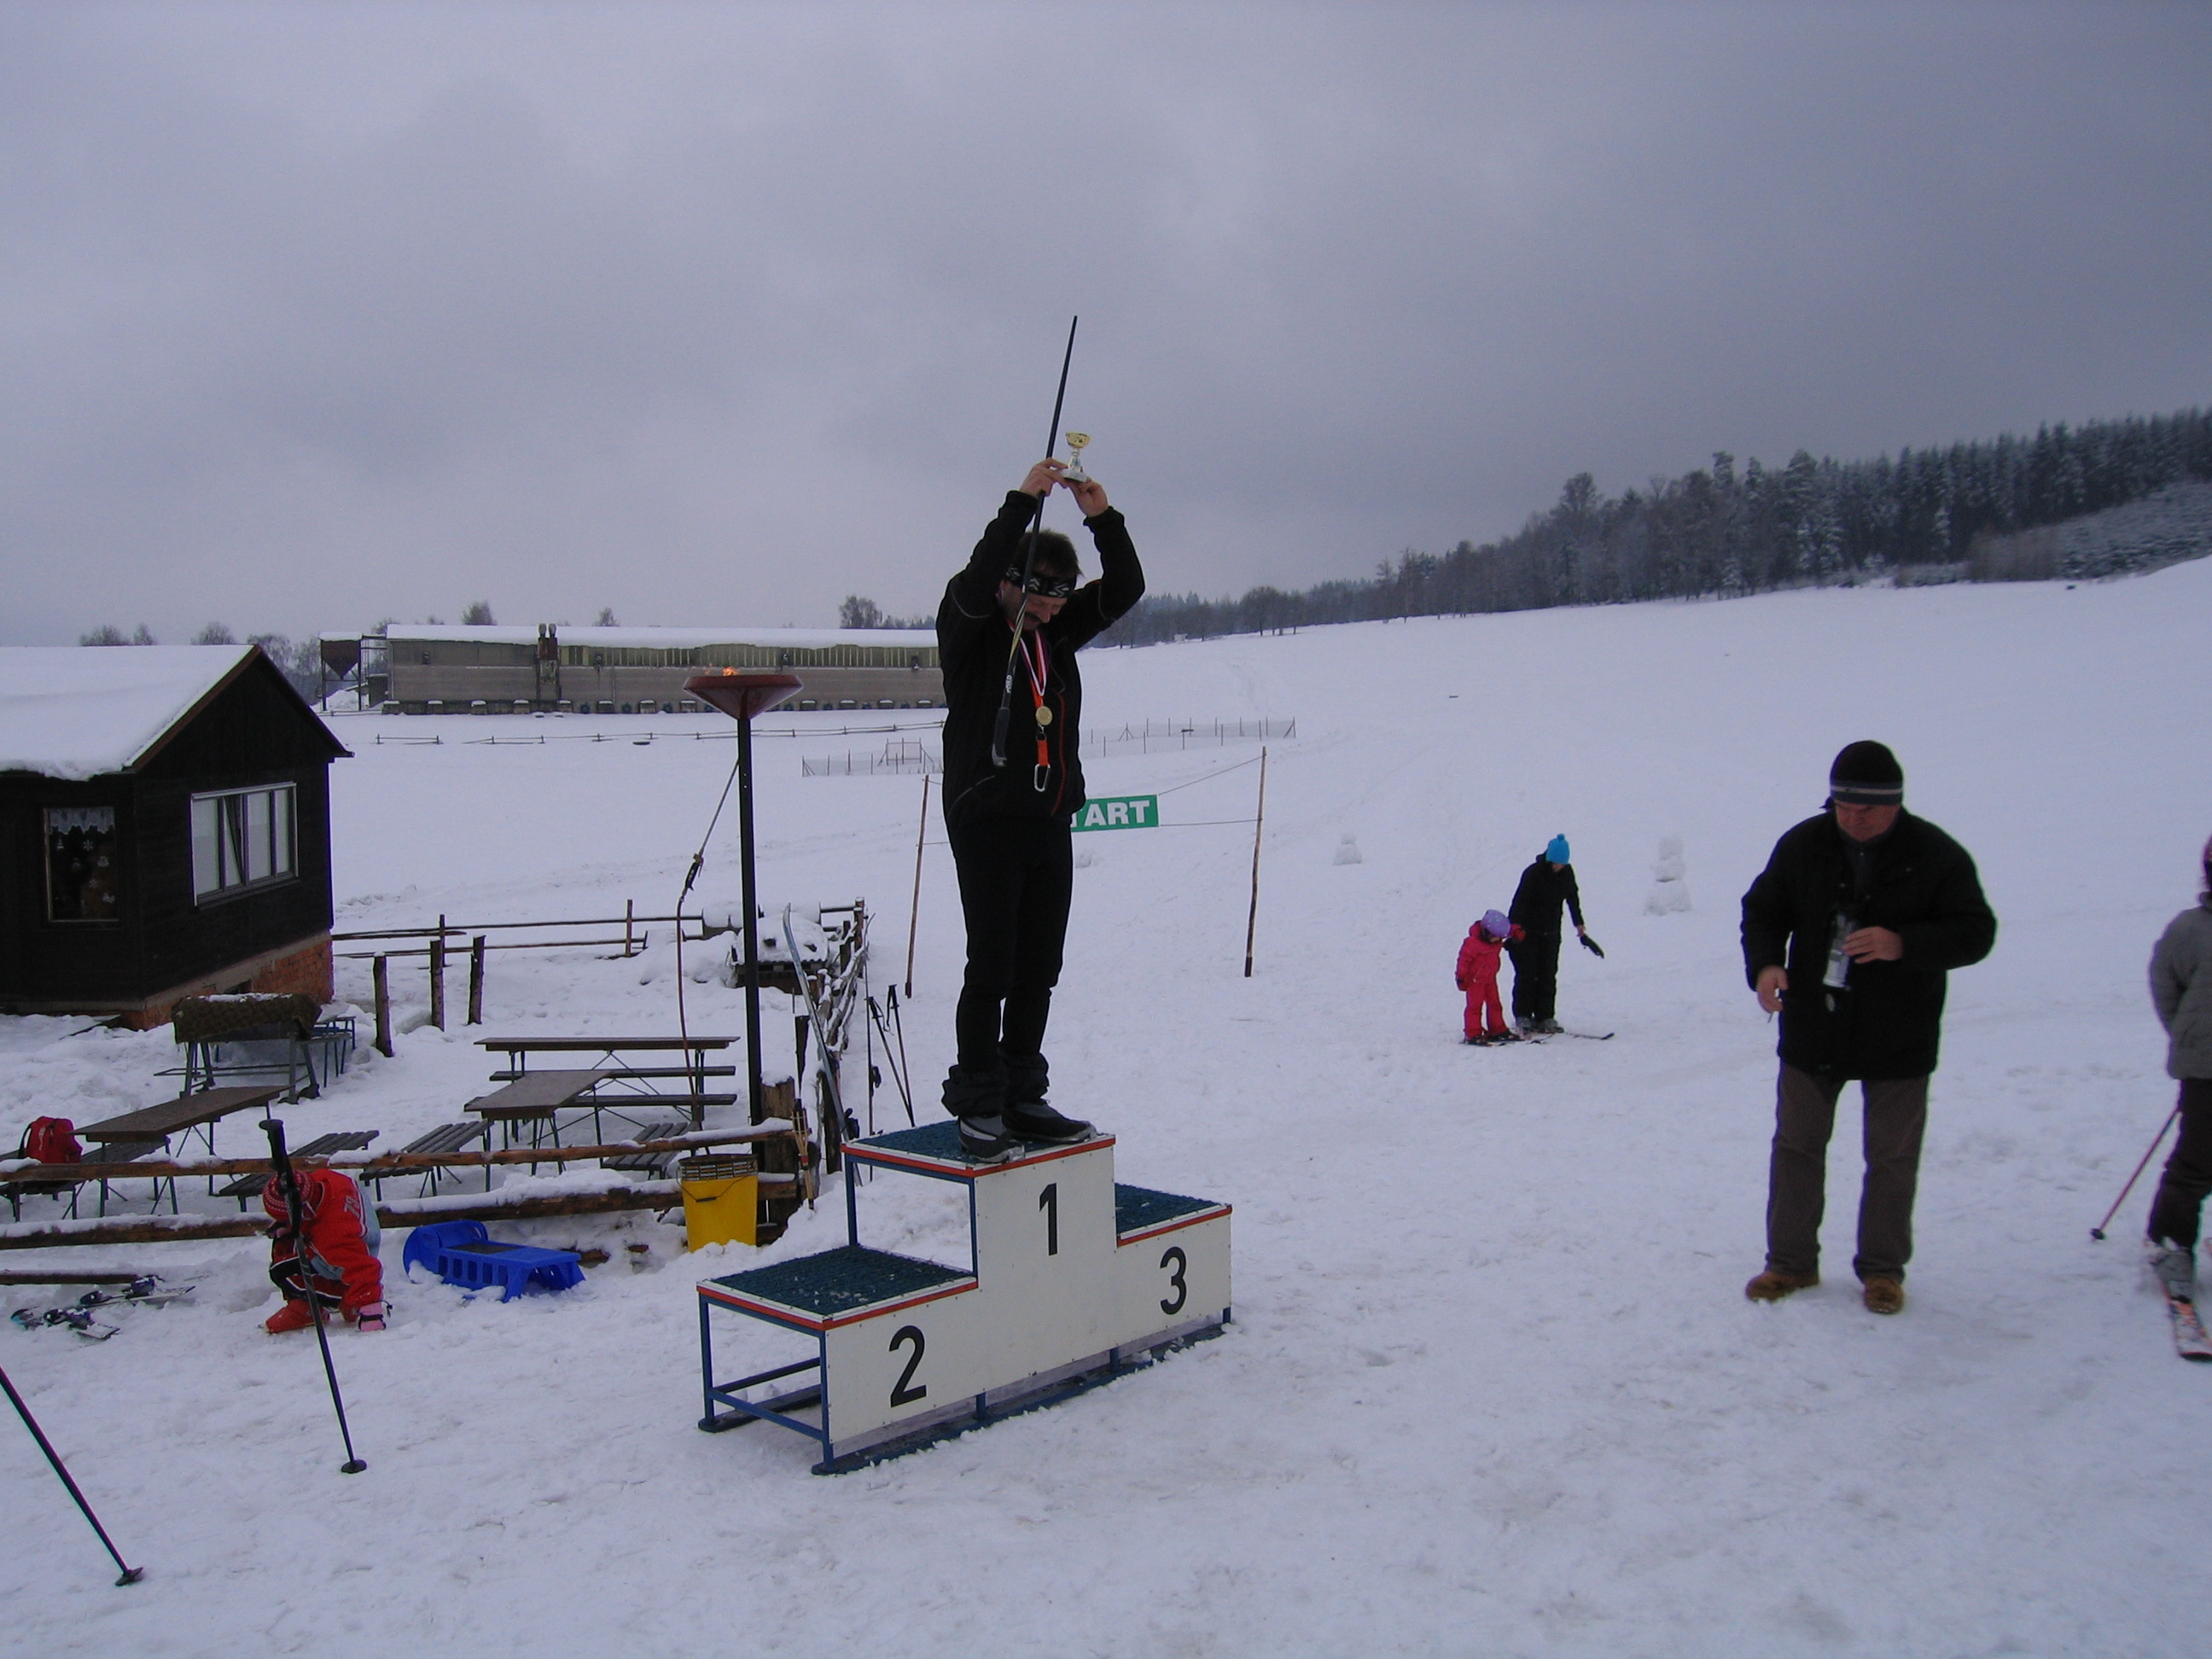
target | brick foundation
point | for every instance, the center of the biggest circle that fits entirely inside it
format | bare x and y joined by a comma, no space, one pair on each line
306,968
306,971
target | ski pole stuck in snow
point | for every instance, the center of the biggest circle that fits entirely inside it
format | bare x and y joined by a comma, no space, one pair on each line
288,1185
2097,1232
131,1575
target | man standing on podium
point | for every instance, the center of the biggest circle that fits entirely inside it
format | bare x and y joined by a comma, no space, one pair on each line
1008,823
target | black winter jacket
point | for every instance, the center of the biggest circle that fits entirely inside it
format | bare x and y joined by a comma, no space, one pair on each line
1536,900
1887,1021
974,640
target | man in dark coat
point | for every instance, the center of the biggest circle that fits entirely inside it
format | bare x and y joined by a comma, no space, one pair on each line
1847,934
1008,824
1546,884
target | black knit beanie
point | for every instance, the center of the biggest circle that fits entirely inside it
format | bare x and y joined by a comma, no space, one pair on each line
1867,775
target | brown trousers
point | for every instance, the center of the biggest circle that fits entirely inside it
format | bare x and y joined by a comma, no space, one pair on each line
1796,1178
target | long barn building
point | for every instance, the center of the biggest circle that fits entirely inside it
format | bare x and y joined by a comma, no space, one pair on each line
427,670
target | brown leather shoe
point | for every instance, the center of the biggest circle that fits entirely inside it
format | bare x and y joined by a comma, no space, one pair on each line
1883,1295
1772,1286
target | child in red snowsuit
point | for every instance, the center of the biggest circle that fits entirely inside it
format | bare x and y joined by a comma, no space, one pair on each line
1477,976
342,1237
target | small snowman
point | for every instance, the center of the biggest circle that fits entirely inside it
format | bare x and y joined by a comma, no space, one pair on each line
1669,893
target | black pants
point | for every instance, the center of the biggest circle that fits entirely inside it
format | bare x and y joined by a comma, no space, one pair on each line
1016,878
1536,978
1797,1171
2188,1175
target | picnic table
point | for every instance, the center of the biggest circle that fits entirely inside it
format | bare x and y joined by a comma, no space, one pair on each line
606,1056
537,1100
152,1126
183,1116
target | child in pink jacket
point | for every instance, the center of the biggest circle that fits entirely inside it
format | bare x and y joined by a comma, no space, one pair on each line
1477,976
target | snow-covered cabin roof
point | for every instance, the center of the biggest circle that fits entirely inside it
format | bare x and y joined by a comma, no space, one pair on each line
77,712
675,638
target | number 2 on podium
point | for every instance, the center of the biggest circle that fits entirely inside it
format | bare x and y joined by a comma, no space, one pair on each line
900,1393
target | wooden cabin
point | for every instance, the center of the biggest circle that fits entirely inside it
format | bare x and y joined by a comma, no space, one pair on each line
165,829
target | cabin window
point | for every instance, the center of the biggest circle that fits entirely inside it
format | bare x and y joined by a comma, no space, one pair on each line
241,838
81,864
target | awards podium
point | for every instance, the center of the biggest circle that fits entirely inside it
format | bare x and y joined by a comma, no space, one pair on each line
1073,1279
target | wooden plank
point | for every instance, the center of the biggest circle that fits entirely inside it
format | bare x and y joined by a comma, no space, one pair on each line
394,1162
185,1112
539,1045
159,1230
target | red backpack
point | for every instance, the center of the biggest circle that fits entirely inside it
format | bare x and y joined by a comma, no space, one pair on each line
51,1140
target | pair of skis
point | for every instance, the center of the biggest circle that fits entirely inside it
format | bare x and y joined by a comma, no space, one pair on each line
2175,1270
81,1316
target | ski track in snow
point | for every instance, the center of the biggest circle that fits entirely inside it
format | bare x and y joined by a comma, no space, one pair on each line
1492,1387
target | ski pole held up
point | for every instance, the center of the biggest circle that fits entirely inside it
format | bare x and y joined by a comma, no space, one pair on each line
288,1182
131,1575
1029,560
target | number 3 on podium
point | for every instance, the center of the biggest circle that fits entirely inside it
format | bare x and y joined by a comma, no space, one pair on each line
1175,1277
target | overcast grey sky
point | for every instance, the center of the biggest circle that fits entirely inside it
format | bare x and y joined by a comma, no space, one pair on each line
313,314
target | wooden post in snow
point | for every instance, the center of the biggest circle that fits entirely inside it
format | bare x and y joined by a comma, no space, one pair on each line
382,970
476,980
1259,821
438,978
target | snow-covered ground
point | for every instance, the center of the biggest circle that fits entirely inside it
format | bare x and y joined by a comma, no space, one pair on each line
1493,1386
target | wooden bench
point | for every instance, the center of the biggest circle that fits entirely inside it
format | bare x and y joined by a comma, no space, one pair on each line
445,1138
345,1141
655,1164
119,1152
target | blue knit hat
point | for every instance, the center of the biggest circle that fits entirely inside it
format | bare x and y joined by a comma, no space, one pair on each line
1495,925
1556,852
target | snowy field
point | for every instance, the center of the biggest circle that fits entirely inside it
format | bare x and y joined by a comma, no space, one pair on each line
1493,1388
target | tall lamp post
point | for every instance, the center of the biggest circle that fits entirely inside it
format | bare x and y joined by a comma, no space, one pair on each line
741,696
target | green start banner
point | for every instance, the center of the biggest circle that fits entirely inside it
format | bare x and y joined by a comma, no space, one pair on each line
1120,812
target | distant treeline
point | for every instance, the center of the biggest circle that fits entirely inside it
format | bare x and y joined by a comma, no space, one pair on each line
1719,530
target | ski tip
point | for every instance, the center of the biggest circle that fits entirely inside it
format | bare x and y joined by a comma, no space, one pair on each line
131,1575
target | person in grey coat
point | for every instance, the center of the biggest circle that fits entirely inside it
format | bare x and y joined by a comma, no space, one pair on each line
2181,991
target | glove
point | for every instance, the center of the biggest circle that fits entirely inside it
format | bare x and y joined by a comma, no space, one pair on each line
372,1316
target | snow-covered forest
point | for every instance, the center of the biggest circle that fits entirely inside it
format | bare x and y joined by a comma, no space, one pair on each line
1722,530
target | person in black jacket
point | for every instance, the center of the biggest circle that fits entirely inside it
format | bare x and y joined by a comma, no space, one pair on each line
1847,934
1546,884
1008,824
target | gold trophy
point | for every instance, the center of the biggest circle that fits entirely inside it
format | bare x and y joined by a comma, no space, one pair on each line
1076,443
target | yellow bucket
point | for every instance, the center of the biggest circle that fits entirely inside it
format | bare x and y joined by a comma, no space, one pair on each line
721,1201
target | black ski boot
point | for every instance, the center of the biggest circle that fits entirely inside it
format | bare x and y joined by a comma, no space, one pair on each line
985,1140
1035,1121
